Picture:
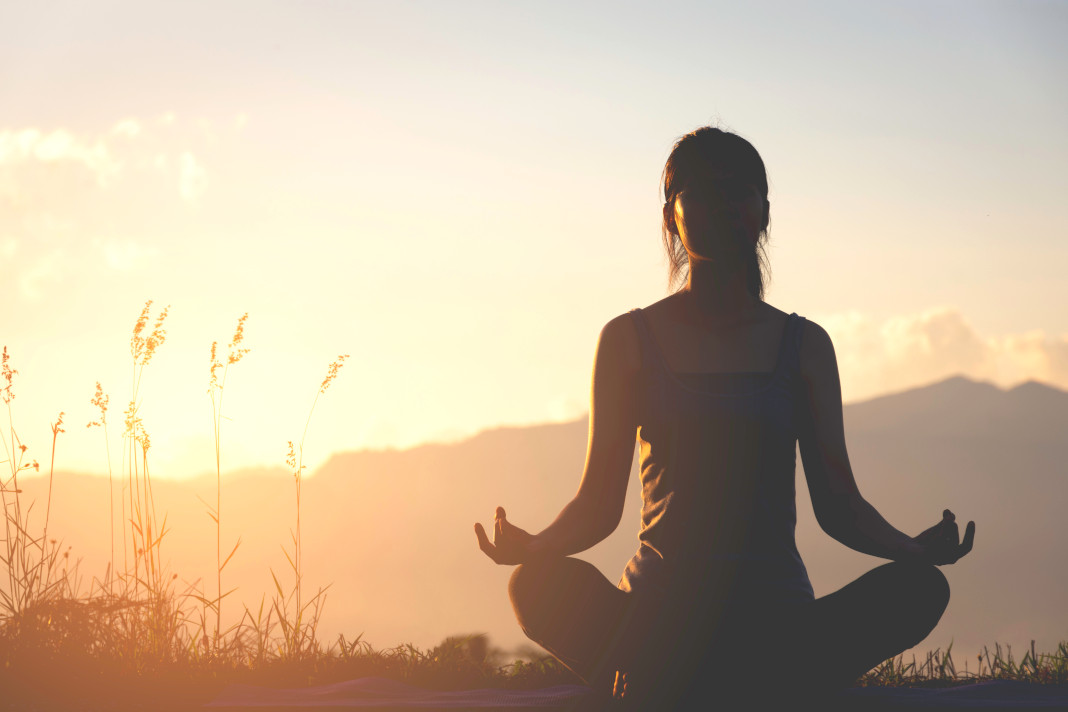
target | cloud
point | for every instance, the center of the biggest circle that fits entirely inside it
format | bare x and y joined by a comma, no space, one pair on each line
564,408
192,177
25,145
909,350
45,169
1033,355
127,127
64,192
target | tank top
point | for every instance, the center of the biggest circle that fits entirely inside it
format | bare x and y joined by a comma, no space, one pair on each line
717,463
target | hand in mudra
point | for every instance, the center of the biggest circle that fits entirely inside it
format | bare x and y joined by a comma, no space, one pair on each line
511,545
941,544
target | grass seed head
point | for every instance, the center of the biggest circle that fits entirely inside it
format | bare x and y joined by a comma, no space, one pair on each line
215,365
159,335
235,352
100,401
136,342
8,373
332,372
142,348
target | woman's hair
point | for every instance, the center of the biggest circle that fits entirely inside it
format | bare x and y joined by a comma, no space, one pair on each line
691,159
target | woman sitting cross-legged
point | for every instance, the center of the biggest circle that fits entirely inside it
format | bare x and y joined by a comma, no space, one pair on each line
718,386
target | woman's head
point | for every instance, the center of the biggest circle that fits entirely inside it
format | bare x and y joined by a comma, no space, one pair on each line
716,206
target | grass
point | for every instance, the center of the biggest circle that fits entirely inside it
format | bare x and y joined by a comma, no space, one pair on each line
133,638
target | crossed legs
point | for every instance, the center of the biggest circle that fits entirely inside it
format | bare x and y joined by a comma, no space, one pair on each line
594,628
569,608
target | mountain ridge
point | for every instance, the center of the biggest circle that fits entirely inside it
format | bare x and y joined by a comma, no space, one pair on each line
392,529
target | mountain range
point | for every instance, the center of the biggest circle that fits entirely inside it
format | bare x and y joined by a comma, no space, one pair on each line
391,530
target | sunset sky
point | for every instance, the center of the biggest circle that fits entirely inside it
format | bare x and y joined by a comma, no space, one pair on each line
459,195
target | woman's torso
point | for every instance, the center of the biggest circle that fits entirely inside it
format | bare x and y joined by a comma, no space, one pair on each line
717,432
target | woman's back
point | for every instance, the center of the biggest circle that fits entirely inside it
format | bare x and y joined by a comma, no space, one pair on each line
714,382
748,344
717,432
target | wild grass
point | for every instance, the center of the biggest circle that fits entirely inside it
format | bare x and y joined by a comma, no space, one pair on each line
216,389
134,638
938,667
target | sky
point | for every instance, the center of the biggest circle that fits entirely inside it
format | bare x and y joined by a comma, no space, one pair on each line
459,196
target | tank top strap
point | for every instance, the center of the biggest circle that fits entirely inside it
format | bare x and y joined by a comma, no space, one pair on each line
650,355
789,362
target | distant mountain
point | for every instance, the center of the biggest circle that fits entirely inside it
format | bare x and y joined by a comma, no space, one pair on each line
392,530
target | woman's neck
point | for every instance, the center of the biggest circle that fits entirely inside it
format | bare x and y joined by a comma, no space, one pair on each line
716,298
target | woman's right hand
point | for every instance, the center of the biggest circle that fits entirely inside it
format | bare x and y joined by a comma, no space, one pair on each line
511,545
941,544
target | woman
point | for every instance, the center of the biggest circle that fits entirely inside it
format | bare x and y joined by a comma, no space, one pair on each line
719,386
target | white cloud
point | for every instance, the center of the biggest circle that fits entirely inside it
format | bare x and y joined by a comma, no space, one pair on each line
57,146
192,177
909,350
127,127
564,408
1034,354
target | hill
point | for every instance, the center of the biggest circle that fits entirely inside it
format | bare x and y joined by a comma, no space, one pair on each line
392,529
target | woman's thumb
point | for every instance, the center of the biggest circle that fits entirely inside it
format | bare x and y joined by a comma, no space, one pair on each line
500,513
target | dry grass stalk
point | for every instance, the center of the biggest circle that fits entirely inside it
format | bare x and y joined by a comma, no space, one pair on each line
216,388
298,624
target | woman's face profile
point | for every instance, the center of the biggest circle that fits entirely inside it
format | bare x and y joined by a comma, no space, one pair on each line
717,216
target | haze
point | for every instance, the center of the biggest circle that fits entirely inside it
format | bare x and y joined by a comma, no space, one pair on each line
390,531
460,195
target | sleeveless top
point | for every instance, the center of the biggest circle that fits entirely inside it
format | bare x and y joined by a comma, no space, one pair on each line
717,471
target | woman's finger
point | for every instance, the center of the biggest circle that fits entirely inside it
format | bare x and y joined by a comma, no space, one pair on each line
507,526
484,542
952,533
969,538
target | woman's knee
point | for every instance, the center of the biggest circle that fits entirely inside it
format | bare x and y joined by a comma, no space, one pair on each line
931,585
926,590
536,579
533,588
528,581
522,580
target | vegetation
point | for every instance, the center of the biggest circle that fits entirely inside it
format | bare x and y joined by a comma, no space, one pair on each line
131,637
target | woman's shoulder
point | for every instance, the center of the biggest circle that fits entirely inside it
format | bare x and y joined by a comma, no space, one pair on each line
620,342
811,332
816,354
624,329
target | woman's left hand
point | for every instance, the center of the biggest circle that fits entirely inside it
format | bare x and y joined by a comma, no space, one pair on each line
511,545
941,544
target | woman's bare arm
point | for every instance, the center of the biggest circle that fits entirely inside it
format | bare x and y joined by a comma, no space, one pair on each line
597,507
839,507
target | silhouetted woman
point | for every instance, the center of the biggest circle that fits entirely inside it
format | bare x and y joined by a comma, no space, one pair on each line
719,385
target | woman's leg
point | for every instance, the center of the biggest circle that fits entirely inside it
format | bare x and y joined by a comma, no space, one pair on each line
876,617
822,646
569,608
